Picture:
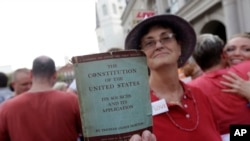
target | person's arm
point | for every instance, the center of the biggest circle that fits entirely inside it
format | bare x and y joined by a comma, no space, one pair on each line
146,136
237,85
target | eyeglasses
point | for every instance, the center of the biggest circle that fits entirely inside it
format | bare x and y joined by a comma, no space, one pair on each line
150,43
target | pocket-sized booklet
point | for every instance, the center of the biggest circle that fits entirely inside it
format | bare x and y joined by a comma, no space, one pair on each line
114,95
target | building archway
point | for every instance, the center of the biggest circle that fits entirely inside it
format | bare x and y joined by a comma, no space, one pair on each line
216,28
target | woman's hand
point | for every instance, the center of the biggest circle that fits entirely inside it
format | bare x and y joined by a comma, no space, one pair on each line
146,136
237,85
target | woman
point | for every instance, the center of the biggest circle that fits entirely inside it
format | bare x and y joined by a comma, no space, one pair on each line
237,50
168,41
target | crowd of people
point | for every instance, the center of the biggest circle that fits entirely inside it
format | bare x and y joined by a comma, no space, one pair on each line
216,96
202,108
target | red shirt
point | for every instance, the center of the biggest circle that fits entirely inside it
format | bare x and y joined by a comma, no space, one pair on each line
228,108
195,116
42,116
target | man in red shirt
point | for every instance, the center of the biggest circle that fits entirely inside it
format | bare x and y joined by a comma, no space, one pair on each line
41,114
228,108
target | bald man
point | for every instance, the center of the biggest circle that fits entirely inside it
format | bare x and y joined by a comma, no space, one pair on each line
21,81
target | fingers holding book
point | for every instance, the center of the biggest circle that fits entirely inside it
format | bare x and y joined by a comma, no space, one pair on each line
146,136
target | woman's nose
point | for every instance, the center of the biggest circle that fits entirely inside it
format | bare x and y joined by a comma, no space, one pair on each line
158,44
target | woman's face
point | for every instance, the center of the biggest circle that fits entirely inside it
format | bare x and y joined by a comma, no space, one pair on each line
237,50
160,47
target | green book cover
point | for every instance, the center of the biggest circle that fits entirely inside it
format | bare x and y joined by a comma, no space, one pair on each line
113,95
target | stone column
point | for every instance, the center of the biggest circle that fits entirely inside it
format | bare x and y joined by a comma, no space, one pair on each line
243,14
231,17
161,7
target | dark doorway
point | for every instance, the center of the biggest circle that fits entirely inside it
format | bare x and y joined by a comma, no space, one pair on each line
215,27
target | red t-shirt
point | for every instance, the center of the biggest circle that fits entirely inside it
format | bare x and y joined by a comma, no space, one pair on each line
192,122
41,116
228,108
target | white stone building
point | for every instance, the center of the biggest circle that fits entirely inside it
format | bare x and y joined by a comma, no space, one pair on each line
221,17
109,30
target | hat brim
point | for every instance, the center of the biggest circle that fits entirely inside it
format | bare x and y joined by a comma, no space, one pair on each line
180,27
